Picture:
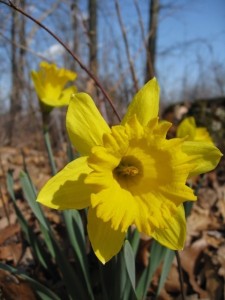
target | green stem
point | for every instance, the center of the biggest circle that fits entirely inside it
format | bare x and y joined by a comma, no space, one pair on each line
50,153
180,275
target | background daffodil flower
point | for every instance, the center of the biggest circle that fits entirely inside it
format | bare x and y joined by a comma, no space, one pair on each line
129,174
197,139
187,128
49,82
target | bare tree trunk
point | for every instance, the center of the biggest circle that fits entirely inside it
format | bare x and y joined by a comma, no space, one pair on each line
151,50
93,64
74,14
93,57
17,68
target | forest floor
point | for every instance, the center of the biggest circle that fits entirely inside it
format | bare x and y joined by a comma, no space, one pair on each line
202,260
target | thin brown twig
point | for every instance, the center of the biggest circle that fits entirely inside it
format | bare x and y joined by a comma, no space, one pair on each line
126,46
181,278
75,57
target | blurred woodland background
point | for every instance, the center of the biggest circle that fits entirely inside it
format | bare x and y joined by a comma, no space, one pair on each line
116,40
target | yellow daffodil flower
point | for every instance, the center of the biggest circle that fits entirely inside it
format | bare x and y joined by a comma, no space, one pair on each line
49,82
187,128
128,174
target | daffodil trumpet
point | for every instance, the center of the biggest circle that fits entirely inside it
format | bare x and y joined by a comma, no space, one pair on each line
49,83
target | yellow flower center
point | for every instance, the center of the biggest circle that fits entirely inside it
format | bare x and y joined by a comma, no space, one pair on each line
128,167
126,170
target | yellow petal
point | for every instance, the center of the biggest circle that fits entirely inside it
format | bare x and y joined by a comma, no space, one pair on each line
105,241
162,128
37,84
51,73
65,96
67,190
84,123
203,155
173,237
202,134
112,204
145,103
62,100
187,128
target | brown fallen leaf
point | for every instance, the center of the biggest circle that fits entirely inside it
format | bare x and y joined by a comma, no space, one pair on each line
172,283
207,198
11,252
221,260
221,202
189,260
201,220
53,216
214,284
13,287
8,231
143,251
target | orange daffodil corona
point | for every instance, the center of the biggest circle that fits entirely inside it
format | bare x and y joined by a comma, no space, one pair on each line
129,174
49,82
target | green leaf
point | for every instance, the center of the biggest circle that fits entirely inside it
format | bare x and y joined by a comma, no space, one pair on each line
120,277
50,153
114,277
156,256
74,285
39,252
130,262
42,291
188,207
76,236
31,197
168,259
134,239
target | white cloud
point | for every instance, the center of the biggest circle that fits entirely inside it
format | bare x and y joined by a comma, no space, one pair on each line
53,51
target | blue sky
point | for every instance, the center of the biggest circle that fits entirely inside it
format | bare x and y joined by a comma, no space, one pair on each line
191,36
203,23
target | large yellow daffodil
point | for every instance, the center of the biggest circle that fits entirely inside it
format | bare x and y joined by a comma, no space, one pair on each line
128,174
49,82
